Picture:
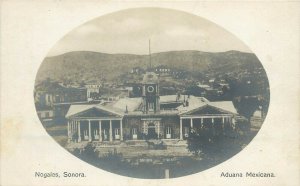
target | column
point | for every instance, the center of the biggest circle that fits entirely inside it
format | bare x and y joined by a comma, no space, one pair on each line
69,135
121,130
167,174
73,123
74,127
201,120
158,126
233,122
79,135
213,125
192,125
100,130
145,127
223,123
181,129
90,132
71,131
110,130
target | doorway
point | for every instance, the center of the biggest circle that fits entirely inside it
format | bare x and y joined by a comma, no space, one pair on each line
151,131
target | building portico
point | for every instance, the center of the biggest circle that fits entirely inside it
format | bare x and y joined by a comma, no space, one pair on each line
94,123
216,122
102,129
206,116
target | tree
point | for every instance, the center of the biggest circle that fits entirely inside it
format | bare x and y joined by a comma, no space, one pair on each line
199,141
246,106
214,148
88,153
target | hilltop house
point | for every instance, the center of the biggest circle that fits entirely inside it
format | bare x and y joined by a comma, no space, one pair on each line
93,90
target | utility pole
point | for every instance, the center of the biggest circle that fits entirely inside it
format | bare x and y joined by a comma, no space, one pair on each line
150,54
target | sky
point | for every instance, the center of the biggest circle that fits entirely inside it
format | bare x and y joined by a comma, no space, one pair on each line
129,31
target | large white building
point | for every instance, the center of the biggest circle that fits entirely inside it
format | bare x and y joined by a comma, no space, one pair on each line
150,116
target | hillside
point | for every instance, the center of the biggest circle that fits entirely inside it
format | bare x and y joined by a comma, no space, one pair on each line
87,66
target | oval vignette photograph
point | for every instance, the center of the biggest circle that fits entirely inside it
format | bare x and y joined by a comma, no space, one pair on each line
151,93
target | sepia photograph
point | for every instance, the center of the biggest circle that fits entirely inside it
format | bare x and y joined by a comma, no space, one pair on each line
151,93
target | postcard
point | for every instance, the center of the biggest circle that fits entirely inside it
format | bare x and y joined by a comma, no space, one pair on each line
149,92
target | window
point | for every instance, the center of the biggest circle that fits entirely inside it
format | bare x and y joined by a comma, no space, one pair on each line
186,131
134,131
57,98
169,130
47,114
117,131
151,106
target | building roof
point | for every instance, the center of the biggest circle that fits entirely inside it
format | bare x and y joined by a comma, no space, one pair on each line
150,77
170,98
133,105
203,86
224,105
76,109
193,103
257,113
